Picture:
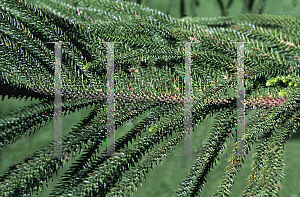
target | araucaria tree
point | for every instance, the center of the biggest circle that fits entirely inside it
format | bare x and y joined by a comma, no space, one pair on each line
149,71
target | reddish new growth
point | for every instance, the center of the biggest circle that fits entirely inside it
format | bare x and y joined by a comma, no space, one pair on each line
268,102
179,98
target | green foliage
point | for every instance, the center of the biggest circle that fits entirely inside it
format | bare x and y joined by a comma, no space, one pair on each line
149,76
290,80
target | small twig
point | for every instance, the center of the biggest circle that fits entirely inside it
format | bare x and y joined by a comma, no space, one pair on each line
223,10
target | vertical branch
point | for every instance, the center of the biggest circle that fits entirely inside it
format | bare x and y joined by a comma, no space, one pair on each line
248,5
223,10
110,100
221,5
229,4
182,14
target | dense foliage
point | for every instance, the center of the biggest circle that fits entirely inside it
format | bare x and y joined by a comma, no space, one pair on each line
149,77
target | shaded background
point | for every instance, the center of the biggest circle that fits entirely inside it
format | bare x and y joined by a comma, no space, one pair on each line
164,179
